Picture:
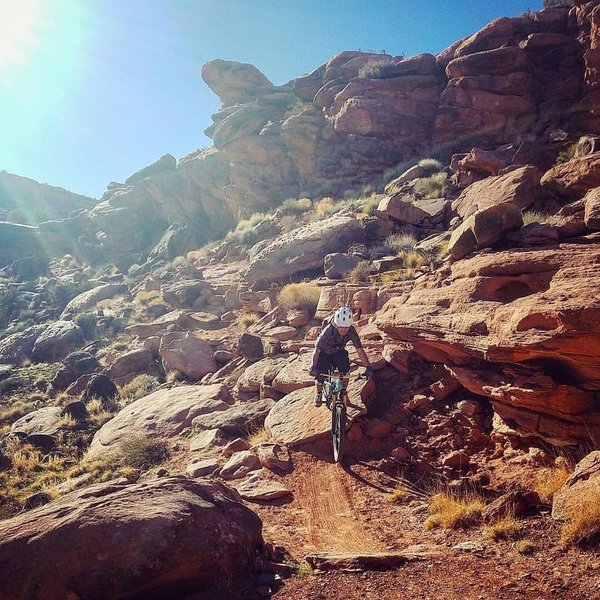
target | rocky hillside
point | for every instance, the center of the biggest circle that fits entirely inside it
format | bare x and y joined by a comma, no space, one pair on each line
166,405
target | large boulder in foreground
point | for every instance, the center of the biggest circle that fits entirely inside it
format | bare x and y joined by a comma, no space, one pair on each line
303,249
524,329
294,420
164,413
161,538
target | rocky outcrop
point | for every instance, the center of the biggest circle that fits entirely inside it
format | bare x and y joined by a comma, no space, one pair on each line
88,299
303,249
167,536
164,413
21,247
521,328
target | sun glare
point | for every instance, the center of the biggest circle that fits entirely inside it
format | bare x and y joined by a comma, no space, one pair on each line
19,33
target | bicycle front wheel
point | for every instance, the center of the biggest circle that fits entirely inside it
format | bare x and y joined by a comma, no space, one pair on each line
338,430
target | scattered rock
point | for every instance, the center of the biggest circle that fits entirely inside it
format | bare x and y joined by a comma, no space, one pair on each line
257,487
240,464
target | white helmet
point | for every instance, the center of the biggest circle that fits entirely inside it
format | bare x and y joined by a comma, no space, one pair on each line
343,317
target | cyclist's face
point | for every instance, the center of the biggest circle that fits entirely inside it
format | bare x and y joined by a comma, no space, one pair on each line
343,330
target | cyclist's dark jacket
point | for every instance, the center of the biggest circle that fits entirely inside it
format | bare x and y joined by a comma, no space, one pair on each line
330,341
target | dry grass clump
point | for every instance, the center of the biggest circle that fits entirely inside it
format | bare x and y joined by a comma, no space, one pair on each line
432,186
451,513
137,388
300,296
397,275
566,155
369,204
430,165
360,273
583,525
412,259
549,481
140,451
504,529
525,547
15,410
148,298
293,206
245,232
244,320
534,216
399,242
325,208
98,414
258,436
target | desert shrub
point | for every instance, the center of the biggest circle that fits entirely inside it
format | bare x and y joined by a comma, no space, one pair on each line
137,388
395,171
370,203
432,186
430,165
566,155
256,436
397,275
141,451
412,259
60,293
504,529
448,512
549,481
244,320
293,206
360,273
583,525
303,296
398,242
525,547
534,216
288,223
378,69
87,323
325,208
245,232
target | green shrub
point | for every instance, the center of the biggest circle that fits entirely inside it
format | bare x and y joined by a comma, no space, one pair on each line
370,203
302,296
566,155
432,186
87,323
141,451
60,293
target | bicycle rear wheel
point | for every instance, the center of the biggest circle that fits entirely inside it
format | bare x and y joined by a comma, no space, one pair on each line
338,430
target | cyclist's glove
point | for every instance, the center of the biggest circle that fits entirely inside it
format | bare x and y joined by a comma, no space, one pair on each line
314,372
368,373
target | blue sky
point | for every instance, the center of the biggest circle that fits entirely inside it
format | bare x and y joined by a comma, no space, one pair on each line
93,90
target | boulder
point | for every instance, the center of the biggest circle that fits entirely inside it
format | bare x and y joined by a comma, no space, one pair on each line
202,468
90,298
294,420
581,488
56,341
165,413
101,387
240,464
294,375
400,210
338,264
575,177
263,371
274,457
81,362
592,209
43,421
187,354
518,187
303,249
251,346
187,294
237,419
258,487
484,228
168,536
131,364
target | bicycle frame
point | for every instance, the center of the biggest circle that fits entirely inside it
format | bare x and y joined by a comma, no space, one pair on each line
336,398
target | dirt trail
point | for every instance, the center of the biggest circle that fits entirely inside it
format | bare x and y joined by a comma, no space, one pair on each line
332,523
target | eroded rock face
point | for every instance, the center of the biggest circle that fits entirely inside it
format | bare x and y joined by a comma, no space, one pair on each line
166,536
522,328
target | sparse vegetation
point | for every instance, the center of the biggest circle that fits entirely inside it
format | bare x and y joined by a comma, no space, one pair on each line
378,69
246,232
533,216
302,296
397,275
369,204
583,525
525,547
137,388
141,451
257,436
293,206
504,529
360,273
448,512
566,155
432,186
549,482
245,319
398,242
86,321
430,166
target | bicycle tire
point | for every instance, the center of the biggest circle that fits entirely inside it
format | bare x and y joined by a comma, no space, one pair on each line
338,430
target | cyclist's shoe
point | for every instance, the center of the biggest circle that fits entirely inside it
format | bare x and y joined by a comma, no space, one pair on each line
318,400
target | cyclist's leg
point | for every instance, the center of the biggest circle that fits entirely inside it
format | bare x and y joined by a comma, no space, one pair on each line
323,364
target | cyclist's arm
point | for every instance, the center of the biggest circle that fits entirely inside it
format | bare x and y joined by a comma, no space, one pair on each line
315,359
354,337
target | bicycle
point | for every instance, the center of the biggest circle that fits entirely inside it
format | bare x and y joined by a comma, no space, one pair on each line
336,399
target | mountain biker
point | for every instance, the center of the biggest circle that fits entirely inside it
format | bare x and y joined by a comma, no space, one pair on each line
330,350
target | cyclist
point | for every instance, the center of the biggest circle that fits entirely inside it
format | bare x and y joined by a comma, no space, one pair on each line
330,350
